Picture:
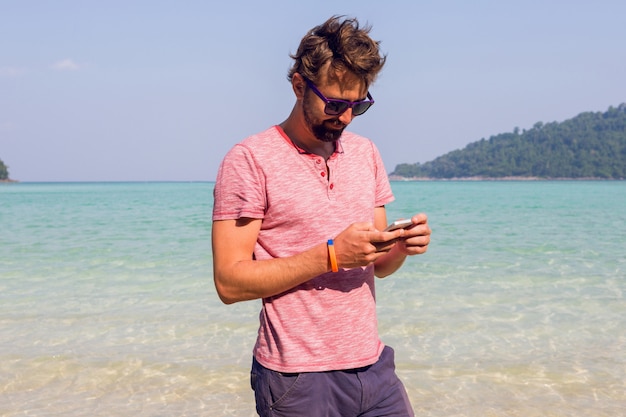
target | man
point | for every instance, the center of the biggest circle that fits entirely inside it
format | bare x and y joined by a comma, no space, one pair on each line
297,222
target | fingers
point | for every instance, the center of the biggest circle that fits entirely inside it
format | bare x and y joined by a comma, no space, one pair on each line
417,238
420,218
361,243
414,246
385,246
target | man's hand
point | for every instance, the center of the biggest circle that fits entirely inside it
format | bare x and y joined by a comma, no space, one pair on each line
361,244
416,238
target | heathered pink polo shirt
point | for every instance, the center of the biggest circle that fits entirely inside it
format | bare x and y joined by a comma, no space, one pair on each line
329,322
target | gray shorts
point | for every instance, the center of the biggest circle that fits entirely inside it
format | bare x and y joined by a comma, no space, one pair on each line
370,391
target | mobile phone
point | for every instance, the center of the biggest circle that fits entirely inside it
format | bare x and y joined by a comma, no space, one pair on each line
398,224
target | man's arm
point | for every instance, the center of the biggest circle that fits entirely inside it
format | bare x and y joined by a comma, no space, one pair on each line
238,277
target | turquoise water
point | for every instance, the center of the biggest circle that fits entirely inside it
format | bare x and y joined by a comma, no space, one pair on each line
107,306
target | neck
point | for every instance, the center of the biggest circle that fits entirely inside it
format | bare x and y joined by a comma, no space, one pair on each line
304,139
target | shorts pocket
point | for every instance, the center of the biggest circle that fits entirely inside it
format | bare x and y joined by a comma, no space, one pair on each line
286,389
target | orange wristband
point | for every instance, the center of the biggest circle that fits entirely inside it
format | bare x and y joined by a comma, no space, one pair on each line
332,256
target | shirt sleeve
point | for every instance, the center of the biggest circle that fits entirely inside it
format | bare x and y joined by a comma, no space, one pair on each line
239,187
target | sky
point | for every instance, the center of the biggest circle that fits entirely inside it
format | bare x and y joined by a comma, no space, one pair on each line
161,90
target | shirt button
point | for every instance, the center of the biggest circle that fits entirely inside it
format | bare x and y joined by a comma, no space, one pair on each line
318,161
332,186
323,174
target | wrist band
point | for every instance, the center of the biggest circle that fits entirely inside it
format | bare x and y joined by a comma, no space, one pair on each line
332,256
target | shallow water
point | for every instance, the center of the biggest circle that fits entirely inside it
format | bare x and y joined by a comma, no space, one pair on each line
107,305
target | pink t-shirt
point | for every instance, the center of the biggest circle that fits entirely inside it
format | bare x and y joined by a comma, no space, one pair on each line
329,322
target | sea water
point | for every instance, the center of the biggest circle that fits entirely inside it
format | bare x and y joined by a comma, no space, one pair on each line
107,306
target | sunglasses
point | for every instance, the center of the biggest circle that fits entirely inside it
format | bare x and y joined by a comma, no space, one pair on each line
335,107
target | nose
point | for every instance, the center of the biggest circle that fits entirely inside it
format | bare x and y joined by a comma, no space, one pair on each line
346,117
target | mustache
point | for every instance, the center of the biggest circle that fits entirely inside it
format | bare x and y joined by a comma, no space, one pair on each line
336,123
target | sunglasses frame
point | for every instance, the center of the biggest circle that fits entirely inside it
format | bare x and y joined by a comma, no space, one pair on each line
346,103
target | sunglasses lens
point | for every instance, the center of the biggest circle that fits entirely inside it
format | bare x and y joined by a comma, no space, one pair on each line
360,108
334,108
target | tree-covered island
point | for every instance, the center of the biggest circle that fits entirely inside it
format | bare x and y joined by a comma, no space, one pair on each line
4,172
590,145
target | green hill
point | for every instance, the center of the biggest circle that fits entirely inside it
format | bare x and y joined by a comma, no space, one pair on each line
591,145
4,171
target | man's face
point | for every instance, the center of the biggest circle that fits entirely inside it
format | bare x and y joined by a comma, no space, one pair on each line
324,127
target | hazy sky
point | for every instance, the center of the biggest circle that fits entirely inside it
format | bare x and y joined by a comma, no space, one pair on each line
151,90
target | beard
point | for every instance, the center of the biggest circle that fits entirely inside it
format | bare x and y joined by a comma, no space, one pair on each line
322,129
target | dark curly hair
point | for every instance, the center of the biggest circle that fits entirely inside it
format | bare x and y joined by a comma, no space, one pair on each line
344,44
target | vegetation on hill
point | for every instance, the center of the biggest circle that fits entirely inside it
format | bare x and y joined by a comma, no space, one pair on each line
4,171
590,145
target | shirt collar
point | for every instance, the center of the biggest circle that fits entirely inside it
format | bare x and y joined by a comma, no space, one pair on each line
338,146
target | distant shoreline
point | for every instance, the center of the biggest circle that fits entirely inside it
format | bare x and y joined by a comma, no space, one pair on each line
407,179
393,178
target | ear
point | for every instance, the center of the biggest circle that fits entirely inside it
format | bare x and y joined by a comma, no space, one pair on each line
299,85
